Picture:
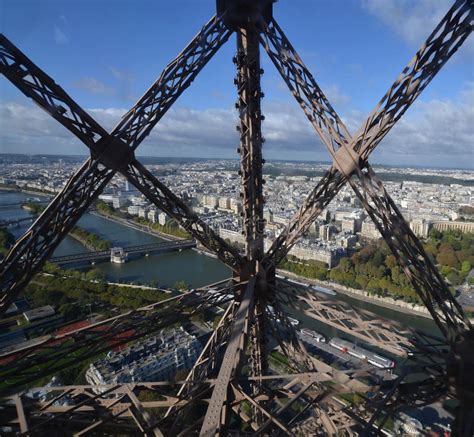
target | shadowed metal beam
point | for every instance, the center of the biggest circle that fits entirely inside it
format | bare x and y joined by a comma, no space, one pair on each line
410,254
454,28
55,352
217,411
443,42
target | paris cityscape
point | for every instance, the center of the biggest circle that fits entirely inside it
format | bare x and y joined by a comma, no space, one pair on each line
431,200
254,268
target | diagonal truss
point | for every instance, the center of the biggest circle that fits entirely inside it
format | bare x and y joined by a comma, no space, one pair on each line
109,153
443,42
232,371
350,155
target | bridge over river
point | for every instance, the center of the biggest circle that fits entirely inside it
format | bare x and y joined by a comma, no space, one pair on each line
131,251
16,222
15,205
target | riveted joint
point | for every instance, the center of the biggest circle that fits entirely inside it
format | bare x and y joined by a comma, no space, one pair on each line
346,160
113,153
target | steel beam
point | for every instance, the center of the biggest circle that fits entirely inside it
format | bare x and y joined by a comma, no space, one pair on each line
164,199
217,411
443,42
55,352
207,362
248,85
109,152
410,254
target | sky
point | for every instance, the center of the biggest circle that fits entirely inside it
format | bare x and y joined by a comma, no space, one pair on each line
106,54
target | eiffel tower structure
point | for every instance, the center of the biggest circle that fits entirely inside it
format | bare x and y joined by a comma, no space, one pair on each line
232,389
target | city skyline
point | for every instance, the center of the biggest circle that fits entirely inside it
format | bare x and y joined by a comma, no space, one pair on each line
236,159
105,77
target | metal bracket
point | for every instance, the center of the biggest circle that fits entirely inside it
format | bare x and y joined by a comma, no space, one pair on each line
113,153
244,13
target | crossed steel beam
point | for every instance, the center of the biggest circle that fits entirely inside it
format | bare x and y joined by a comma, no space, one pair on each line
241,336
110,153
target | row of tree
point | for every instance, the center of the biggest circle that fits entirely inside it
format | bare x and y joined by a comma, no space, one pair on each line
71,291
170,228
34,207
89,239
373,268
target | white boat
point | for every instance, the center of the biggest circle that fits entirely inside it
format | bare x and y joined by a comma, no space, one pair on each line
294,322
361,353
324,290
118,256
312,334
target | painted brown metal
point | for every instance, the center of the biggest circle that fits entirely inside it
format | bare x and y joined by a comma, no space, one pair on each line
442,43
217,381
30,252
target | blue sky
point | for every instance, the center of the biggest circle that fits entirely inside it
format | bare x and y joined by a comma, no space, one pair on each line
106,53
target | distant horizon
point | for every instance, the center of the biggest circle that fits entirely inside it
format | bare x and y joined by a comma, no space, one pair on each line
184,158
374,42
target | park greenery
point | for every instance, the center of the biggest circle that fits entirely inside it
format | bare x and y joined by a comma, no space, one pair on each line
6,241
89,239
72,291
373,268
35,208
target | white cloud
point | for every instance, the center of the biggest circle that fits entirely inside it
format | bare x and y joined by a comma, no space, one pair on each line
59,36
124,87
412,20
121,74
437,132
93,86
335,96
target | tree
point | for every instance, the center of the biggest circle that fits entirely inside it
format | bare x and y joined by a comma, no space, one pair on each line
95,275
454,277
434,234
70,311
390,261
181,285
466,267
447,257
345,265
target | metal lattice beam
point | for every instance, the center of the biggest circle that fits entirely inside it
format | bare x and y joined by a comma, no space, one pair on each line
232,369
53,353
443,42
109,154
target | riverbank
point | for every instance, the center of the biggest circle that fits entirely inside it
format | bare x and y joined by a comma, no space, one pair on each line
400,306
361,295
136,226
133,225
30,190
98,243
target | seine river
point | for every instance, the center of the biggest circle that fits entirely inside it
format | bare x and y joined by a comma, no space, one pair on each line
189,266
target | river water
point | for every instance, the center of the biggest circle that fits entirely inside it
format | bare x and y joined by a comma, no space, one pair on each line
189,266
